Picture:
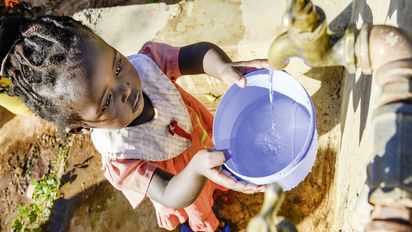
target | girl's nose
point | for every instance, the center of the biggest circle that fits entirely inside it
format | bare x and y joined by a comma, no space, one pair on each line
126,92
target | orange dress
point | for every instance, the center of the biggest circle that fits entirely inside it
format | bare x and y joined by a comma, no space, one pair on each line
132,176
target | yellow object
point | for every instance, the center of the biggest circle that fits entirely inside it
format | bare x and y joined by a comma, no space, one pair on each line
12,104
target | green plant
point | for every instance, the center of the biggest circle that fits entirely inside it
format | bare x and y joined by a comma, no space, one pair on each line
46,191
28,215
150,1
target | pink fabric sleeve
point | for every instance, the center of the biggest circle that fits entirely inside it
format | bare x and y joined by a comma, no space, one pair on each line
165,56
130,176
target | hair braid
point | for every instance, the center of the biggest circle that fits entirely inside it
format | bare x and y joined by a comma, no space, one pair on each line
49,54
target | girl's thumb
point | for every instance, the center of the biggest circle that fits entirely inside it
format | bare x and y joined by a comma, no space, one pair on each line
217,158
242,82
240,79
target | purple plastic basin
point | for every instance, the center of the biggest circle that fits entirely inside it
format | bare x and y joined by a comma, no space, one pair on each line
265,153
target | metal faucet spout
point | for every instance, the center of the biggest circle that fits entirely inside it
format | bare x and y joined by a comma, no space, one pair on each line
308,39
281,50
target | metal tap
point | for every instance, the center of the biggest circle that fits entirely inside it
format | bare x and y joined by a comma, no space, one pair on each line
267,220
307,37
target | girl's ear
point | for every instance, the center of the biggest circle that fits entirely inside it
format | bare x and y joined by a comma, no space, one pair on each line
78,130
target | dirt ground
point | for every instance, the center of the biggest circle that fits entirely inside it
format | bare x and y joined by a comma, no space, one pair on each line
89,203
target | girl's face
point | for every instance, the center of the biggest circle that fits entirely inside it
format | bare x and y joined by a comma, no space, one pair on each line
115,98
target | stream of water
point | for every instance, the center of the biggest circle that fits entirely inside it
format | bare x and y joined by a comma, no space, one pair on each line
271,98
273,129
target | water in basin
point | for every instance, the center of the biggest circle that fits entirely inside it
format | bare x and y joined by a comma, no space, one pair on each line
261,150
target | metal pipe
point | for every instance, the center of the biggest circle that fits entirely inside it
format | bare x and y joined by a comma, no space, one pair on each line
387,51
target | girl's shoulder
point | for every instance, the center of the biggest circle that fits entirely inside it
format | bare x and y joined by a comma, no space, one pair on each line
112,142
149,141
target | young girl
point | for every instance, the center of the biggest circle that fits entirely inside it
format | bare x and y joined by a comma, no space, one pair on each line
152,135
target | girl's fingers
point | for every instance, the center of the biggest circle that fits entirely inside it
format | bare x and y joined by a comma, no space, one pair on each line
216,176
245,70
229,175
225,179
242,67
258,63
234,76
242,83
262,188
216,158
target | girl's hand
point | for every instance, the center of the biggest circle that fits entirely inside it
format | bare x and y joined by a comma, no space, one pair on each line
232,73
208,164
216,63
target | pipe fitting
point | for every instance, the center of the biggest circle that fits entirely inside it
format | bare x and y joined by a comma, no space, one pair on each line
388,44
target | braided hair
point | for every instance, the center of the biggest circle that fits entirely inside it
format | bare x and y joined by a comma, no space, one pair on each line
47,61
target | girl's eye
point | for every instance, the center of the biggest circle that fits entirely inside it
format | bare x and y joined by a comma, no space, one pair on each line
118,68
106,106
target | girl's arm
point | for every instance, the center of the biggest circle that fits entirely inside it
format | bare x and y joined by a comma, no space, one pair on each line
181,190
199,58
208,58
